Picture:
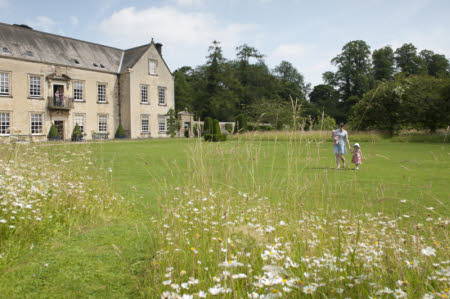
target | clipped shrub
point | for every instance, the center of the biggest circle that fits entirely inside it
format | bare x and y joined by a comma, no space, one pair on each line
241,123
53,133
120,132
208,129
216,133
77,135
197,130
229,128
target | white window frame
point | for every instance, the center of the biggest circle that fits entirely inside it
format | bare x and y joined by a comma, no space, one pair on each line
5,123
80,119
162,124
144,93
100,125
34,86
145,128
78,96
5,83
152,67
38,126
162,95
101,96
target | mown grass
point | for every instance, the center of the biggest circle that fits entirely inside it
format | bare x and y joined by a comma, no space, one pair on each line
281,182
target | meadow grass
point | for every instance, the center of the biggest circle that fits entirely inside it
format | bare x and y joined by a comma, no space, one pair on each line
252,217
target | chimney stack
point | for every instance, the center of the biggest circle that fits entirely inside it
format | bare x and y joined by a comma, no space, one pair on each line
159,48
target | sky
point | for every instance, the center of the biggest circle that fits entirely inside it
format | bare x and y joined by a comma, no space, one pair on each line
306,33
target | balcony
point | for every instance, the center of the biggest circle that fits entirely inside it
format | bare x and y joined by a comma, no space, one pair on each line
60,103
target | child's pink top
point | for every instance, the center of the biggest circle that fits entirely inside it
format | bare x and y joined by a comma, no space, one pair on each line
357,157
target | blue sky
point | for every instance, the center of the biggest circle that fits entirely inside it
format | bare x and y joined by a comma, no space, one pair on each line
307,33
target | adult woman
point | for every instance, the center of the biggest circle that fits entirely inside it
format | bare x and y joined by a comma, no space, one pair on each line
340,142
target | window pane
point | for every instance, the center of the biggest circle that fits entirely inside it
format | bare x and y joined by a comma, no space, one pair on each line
162,124
102,93
78,90
144,123
35,86
4,83
144,94
36,123
5,123
152,67
161,95
103,123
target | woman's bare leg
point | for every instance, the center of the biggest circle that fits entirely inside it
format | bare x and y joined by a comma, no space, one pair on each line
338,161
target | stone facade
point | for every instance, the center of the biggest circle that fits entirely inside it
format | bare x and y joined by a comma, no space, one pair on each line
95,86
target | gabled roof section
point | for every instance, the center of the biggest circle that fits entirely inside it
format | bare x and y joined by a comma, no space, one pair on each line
132,56
28,44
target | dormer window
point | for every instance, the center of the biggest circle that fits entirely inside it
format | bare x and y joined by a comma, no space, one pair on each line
152,64
94,64
75,61
29,53
5,50
102,66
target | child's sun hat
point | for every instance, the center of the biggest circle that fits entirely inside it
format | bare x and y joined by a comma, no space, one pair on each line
356,144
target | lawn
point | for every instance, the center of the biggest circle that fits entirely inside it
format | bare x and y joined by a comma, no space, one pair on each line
247,217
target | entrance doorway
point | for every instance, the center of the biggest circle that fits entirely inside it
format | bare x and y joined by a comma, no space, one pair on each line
59,124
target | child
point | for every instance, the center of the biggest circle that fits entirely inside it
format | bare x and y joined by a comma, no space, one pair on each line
357,155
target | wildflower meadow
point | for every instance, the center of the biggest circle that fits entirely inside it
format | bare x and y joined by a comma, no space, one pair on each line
259,216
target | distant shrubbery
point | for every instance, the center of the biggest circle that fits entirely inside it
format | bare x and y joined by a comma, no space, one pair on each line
211,130
53,133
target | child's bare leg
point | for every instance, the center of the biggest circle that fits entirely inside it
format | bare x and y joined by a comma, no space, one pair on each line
343,161
338,161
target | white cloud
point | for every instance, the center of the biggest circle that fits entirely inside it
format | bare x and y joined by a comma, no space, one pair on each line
129,26
74,20
189,2
43,23
310,60
295,51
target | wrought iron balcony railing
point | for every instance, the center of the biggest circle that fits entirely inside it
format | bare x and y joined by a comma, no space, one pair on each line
60,103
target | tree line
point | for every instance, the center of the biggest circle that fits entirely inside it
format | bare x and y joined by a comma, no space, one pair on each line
385,89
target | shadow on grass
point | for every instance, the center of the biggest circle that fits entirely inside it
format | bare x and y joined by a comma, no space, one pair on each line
331,168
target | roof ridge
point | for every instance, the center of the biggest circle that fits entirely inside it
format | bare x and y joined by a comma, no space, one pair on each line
141,46
60,36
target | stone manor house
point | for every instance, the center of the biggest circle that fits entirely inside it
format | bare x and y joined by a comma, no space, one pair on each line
48,79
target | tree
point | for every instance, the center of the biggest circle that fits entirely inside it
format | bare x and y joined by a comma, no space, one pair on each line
329,78
353,76
326,99
383,63
425,104
173,125
380,108
436,64
408,61
419,102
184,94
292,81
245,52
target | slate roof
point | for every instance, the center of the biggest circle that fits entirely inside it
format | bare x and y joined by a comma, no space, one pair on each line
32,45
